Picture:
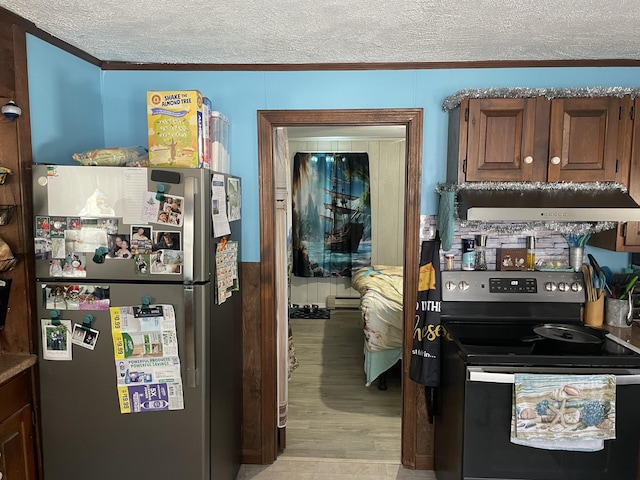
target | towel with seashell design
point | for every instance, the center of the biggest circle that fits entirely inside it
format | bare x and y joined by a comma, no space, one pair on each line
564,412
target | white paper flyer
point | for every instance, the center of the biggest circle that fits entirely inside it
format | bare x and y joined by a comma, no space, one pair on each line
145,346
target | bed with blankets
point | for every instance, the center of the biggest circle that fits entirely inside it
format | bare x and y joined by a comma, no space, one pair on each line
380,288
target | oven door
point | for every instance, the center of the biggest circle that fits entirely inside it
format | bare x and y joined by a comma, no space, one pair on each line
489,454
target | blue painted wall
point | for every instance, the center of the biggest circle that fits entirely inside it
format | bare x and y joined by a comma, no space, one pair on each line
65,95
114,112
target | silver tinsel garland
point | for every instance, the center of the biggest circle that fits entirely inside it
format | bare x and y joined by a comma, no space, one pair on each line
527,186
533,227
453,101
576,228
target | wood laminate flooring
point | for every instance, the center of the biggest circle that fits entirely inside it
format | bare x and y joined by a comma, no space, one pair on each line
332,414
338,429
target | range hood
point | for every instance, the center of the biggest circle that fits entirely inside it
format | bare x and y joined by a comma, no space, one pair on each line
559,203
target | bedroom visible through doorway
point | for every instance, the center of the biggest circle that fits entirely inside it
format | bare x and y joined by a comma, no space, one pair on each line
351,420
411,119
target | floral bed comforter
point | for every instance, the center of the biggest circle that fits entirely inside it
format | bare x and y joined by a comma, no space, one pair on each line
380,287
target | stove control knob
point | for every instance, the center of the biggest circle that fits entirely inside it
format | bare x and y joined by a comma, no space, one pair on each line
563,287
450,285
550,287
463,285
576,287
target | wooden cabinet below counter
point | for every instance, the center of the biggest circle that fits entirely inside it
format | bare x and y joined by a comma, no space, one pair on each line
17,431
537,139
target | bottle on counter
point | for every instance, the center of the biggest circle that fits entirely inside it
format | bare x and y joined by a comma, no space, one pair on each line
481,253
468,254
531,253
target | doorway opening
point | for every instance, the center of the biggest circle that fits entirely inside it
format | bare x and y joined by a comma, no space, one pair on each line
411,119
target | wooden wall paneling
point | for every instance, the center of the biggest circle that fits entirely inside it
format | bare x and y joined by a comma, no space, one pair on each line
299,293
424,438
400,151
252,434
373,149
392,204
7,69
342,287
15,153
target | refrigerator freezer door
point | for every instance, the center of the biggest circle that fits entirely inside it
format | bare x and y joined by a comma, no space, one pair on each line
85,435
104,193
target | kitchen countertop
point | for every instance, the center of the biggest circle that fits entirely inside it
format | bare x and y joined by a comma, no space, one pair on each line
11,364
629,334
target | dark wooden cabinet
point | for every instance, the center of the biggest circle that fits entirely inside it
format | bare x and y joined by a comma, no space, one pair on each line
583,140
17,437
501,139
536,139
626,237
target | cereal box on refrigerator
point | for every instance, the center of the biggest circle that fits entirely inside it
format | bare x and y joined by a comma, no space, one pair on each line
174,120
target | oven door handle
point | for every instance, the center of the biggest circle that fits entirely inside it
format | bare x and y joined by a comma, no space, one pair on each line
478,374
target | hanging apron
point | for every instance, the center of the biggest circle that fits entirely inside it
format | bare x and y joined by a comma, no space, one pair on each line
425,351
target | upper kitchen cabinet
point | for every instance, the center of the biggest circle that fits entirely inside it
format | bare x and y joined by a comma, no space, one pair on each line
536,139
583,141
626,237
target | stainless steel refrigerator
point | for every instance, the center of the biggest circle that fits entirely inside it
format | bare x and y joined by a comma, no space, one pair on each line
79,213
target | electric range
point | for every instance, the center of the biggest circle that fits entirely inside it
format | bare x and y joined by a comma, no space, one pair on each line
490,320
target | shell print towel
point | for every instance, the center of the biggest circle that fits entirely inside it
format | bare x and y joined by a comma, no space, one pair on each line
564,412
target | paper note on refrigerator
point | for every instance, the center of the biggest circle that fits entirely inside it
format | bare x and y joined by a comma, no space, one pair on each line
219,206
145,346
226,270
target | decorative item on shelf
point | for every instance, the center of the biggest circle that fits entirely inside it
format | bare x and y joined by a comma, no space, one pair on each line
4,172
531,252
5,289
468,254
9,264
8,260
11,110
576,248
511,258
481,252
6,213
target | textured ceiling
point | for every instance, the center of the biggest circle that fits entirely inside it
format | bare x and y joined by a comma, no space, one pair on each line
339,31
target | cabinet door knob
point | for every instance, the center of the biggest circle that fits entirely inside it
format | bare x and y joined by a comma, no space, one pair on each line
555,160
528,159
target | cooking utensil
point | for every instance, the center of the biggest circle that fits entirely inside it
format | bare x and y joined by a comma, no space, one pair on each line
629,287
600,275
569,338
587,273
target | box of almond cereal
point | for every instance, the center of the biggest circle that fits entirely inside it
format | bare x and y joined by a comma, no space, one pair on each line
174,120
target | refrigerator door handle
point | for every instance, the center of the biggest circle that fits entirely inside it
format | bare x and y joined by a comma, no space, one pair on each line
190,336
188,228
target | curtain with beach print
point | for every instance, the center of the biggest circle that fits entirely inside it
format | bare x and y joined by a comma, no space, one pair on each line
331,214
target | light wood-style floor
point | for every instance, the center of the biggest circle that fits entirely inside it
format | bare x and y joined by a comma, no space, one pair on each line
332,414
337,427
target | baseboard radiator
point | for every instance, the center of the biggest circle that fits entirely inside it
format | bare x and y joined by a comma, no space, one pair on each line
334,302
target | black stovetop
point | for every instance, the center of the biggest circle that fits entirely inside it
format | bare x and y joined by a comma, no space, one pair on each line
516,344
490,317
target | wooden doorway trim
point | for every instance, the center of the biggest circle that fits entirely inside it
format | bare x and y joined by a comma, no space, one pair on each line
267,121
